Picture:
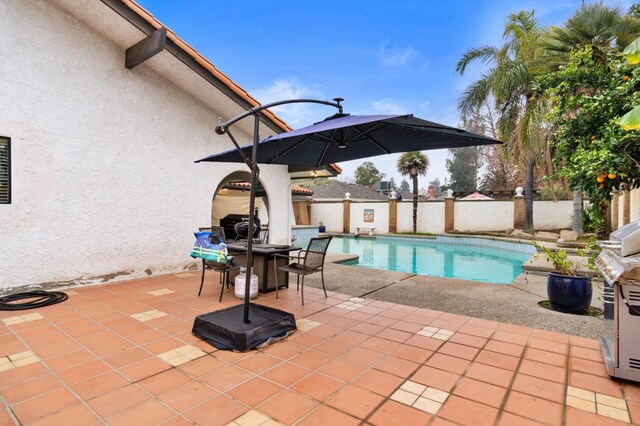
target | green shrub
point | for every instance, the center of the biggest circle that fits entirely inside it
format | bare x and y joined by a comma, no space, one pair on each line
592,220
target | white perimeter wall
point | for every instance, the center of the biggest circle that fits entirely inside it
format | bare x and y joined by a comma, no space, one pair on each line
621,195
469,216
553,215
634,206
380,216
430,217
104,184
330,214
479,216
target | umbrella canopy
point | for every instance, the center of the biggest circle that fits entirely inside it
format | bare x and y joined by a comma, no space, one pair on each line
341,137
476,196
344,137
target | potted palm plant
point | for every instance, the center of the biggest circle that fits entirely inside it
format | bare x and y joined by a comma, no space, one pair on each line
569,290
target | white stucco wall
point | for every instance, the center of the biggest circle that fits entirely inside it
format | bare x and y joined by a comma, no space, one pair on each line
404,215
635,205
330,214
552,215
621,195
104,184
469,216
380,216
430,217
479,216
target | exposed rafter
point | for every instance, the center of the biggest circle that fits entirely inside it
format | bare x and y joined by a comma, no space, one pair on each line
145,22
146,48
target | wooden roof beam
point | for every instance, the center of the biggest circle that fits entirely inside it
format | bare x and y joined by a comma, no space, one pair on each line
146,48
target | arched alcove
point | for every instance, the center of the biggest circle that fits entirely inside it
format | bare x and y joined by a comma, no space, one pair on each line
231,197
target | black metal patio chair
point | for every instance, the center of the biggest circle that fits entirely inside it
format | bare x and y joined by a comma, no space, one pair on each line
307,262
217,236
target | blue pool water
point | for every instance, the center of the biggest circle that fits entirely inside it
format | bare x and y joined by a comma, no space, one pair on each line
483,260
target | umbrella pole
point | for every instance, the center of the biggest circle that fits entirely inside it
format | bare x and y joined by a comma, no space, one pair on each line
252,204
253,165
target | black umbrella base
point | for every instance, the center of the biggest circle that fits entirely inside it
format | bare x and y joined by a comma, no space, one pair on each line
225,329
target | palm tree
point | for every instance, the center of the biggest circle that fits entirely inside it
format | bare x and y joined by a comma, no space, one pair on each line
604,28
508,83
413,163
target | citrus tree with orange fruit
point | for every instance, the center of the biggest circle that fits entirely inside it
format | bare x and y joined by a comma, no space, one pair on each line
589,95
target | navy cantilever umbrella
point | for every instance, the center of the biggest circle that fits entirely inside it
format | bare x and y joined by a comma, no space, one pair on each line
344,137
341,137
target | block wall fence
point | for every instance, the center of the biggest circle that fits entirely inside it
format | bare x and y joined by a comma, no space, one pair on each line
438,216
625,207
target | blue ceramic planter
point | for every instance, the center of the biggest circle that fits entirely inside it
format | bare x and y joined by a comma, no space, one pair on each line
569,294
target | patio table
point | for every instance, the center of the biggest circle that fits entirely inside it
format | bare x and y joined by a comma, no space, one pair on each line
263,263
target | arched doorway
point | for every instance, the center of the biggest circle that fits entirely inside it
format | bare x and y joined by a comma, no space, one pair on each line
231,200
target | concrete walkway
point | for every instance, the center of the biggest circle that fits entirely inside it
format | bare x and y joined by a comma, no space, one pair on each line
516,303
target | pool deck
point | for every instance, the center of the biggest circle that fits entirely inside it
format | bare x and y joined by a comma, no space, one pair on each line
515,303
123,354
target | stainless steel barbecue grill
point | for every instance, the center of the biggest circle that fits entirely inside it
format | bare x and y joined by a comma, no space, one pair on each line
625,241
619,263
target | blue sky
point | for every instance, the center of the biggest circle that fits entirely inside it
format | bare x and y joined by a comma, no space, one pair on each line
383,57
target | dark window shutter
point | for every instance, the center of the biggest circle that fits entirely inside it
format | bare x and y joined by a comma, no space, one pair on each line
5,170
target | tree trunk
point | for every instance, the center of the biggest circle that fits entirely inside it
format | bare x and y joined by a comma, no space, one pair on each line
528,194
577,213
415,202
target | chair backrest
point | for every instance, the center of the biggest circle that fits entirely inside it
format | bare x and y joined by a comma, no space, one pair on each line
217,234
264,235
316,251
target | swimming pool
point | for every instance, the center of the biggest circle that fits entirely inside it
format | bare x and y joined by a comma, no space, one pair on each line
450,257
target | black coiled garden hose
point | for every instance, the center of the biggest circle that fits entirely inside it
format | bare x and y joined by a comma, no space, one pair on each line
36,299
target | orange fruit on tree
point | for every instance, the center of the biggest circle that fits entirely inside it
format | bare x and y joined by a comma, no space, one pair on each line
625,78
611,175
600,179
601,186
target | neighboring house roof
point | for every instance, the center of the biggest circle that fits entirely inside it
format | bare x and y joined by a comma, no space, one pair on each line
300,190
336,189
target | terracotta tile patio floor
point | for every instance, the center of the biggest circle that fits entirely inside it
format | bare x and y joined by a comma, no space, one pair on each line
123,354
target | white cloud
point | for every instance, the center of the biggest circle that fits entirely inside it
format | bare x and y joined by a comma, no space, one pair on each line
295,115
398,57
388,106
